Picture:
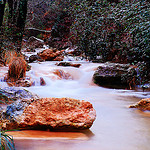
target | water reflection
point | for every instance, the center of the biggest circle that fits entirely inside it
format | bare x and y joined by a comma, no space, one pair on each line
47,140
51,135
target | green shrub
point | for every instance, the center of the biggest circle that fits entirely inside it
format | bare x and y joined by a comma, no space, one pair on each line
6,142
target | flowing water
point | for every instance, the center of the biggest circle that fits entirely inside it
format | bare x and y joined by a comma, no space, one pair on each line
116,126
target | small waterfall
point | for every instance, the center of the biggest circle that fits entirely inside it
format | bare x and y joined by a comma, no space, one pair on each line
63,81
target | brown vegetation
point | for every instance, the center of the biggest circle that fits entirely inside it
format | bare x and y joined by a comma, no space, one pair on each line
17,68
9,55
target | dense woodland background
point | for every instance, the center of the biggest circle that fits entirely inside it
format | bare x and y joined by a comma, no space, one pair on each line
114,30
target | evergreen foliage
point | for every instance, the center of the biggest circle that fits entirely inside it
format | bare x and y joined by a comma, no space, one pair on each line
100,27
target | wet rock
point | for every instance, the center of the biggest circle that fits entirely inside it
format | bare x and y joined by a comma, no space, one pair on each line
62,75
13,112
59,58
143,105
28,68
16,109
42,81
22,82
57,113
18,99
15,93
33,58
68,64
51,55
47,54
116,76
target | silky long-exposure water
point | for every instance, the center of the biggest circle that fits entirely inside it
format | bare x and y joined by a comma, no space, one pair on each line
116,126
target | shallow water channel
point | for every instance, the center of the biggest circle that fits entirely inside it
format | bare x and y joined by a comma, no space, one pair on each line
116,126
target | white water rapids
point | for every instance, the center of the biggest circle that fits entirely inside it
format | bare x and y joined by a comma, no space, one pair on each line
116,127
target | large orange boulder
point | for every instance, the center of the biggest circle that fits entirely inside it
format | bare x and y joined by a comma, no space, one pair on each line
58,113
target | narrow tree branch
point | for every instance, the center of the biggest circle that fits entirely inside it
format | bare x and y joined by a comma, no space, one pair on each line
35,29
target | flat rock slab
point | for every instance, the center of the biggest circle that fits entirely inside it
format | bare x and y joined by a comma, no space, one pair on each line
57,114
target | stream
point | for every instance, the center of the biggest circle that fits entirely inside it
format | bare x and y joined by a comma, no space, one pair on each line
116,126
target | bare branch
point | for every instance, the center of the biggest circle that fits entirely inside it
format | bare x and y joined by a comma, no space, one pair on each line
35,29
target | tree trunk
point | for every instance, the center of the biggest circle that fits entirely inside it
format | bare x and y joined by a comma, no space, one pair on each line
2,7
22,14
21,19
10,4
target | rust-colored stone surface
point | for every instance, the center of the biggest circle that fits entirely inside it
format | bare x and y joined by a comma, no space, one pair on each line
51,54
62,75
59,58
143,105
58,113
